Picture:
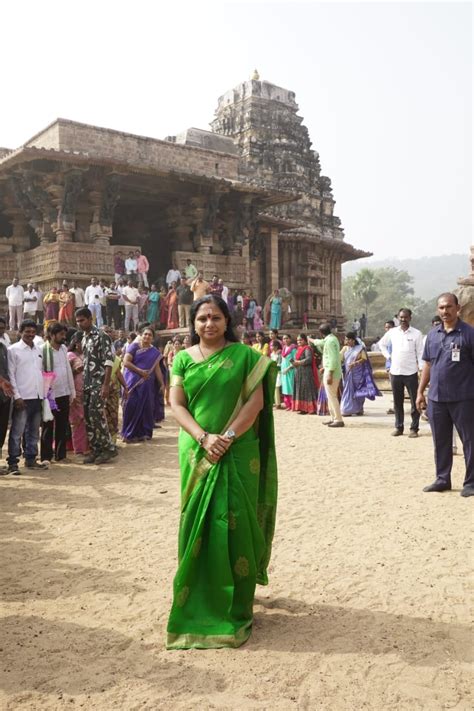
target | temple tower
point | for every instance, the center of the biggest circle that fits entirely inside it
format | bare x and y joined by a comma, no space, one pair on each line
275,150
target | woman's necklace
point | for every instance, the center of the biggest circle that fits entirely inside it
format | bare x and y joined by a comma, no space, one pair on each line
212,352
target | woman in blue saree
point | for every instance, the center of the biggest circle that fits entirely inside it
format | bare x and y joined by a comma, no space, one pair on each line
357,377
141,371
153,311
228,481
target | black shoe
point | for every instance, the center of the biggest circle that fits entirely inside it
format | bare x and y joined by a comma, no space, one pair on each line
467,491
336,424
328,422
413,434
36,465
14,469
438,486
397,433
89,459
103,458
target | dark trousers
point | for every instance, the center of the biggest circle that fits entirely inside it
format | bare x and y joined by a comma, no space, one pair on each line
443,416
113,314
25,428
96,423
104,313
56,430
4,417
399,383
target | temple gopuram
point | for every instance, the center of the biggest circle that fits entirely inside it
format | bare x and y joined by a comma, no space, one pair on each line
246,201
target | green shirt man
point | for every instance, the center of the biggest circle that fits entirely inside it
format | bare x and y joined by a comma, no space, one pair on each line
190,270
329,345
330,348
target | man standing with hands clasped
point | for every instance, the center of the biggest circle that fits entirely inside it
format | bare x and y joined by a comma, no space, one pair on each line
404,346
449,369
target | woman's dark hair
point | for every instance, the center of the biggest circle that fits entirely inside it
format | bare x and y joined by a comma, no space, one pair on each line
75,340
222,306
260,333
303,336
352,336
146,327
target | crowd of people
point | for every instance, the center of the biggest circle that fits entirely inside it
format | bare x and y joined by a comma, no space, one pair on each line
129,299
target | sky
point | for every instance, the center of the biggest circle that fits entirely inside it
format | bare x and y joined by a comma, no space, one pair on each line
385,90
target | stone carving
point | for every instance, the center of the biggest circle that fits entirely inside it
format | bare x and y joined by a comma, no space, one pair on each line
32,214
110,198
40,198
210,218
72,190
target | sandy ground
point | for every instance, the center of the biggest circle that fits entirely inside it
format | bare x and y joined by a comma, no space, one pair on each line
368,605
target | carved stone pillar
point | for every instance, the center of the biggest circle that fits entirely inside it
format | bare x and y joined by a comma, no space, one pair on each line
20,238
104,201
203,237
180,228
272,260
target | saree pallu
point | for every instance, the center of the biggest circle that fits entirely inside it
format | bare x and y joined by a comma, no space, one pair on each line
153,307
172,305
358,382
228,508
77,422
66,308
287,379
306,385
138,408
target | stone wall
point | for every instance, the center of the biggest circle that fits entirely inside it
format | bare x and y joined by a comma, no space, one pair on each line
232,269
108,144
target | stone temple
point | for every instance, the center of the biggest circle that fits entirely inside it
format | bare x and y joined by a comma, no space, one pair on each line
245,200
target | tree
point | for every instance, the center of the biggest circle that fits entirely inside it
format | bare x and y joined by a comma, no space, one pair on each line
365,287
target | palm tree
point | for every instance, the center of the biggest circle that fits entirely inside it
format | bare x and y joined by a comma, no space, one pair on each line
365,289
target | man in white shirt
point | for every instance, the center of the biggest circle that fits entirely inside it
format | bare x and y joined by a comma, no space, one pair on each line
25,370
121,302
93,296
15,294
30,301
403,345
130,296
55,360
131,264
173,275
79,296
225,290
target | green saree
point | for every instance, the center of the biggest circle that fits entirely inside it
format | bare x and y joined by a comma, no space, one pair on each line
227,509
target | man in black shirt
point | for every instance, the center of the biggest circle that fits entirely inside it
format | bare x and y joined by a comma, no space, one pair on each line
185,299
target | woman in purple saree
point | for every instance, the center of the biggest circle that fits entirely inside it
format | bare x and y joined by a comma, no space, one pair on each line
141,371
357,375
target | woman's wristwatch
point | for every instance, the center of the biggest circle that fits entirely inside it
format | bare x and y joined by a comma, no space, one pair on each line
201,439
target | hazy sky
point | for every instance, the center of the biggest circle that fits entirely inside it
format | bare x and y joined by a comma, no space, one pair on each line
385,90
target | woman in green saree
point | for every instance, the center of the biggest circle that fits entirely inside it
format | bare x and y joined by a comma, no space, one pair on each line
222,396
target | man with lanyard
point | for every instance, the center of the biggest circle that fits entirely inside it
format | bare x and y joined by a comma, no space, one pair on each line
330,348
405,356
449,369
98,361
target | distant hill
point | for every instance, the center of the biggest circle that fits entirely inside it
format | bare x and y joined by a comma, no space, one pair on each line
431,275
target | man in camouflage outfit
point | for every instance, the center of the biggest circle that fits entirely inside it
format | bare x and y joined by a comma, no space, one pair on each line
98,361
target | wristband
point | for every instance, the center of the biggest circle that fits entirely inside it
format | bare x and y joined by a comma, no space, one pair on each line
201,439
